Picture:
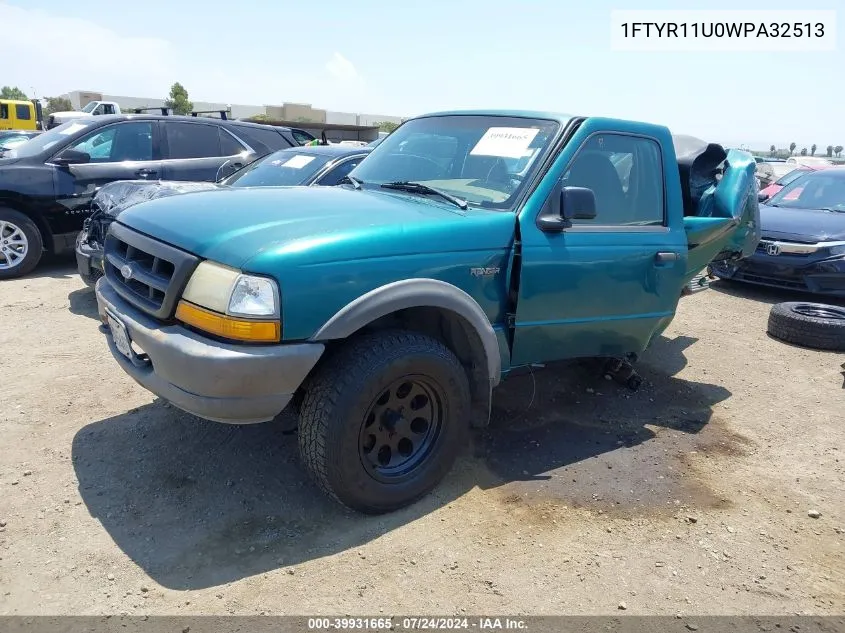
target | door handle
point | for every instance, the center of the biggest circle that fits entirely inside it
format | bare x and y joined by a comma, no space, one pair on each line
665,257
144,172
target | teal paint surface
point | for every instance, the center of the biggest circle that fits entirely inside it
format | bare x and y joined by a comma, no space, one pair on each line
586,291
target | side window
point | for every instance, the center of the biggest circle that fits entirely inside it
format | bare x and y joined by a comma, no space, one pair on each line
108,108
266,136
4,110
23,112
115,143
229,145
301,136
625,174
336,175
192,140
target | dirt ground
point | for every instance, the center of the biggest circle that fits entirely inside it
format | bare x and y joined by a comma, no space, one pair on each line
689,496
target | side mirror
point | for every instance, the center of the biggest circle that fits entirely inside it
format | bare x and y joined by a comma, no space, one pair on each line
72,157
762,197
575,203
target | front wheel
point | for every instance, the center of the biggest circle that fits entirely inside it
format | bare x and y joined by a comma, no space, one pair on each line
20,244
383,420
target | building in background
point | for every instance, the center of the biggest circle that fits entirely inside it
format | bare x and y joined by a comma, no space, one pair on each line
300,114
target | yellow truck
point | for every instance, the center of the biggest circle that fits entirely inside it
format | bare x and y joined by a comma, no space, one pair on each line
20,115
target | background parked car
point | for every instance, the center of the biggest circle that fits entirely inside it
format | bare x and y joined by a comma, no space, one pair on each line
321,165
48,182
13,138
803,238
784,180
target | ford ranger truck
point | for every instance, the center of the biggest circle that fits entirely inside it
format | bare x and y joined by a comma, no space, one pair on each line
386,309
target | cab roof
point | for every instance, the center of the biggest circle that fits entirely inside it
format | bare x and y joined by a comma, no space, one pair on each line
525,114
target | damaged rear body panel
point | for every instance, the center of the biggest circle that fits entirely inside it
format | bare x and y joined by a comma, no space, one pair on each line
721,211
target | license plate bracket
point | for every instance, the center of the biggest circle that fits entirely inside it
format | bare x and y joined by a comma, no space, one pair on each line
120,336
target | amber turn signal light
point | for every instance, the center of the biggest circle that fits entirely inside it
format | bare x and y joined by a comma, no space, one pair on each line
228,327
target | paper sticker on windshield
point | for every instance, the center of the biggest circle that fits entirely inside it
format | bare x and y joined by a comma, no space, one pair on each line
73,128
298,162
506,142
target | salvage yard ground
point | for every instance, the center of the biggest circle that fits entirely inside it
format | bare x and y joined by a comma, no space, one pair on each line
691,496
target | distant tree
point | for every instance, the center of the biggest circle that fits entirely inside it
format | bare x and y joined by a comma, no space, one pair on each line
803,151
386,126
813,150
773,151
15,94
837,150
303,119
57,104
829,151
260,118
178,100
792,147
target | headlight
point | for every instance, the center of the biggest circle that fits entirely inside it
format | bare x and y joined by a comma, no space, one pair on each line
253,296
839,249
215,294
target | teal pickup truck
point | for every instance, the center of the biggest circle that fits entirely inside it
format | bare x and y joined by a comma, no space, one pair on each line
386,309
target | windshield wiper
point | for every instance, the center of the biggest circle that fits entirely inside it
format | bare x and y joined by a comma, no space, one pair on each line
352,180
833,210
418,187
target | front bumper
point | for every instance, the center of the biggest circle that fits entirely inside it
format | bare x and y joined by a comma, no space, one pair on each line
222,382
819,276
89,258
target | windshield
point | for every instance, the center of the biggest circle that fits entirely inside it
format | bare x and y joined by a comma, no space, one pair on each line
814,190
791,176
90,107
287,167
8,142
485,160
48,140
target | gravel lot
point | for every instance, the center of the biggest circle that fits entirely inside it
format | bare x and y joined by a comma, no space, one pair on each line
691,496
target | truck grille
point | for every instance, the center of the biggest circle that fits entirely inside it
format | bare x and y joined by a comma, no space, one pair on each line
147,273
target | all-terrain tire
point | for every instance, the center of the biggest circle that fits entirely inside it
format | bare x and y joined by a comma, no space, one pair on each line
34,242
815,325
338,413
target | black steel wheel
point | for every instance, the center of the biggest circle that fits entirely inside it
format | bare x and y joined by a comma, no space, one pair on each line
401,428
383,420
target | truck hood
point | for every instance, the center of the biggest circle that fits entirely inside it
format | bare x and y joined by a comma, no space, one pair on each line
70,114
115,197
802,225
232,226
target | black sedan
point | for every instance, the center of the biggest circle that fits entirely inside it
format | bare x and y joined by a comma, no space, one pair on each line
319,165
803,238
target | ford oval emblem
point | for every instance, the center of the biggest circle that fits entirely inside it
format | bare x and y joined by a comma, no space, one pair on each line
126,271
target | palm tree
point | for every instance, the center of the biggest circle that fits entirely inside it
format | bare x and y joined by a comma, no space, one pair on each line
773,150
837,150
792,147
829,151
813,150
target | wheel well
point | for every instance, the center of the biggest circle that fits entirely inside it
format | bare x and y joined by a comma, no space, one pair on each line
452,330
18,203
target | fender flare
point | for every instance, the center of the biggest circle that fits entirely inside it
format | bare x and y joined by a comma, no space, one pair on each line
415,293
